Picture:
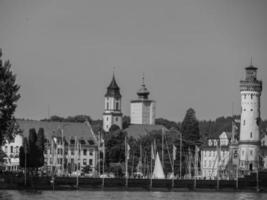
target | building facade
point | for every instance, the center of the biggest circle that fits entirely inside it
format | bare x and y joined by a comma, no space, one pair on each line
112,112
143,109
69,147
249,143
215,157
11,150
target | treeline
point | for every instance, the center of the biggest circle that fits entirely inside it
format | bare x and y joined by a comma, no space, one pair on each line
207,128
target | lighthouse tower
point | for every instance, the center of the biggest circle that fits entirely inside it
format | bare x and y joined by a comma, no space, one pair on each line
112,113
249,141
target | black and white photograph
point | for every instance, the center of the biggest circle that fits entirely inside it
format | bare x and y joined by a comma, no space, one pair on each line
133,99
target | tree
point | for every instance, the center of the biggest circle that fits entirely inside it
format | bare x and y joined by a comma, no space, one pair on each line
126,121
40,143
190,128
34,148
8,97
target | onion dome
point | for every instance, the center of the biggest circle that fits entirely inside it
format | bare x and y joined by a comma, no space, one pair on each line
113,89
143,91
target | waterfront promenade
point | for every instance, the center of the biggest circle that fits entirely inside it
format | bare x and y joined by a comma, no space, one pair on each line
249,183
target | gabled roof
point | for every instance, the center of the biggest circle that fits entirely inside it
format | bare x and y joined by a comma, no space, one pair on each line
113,89
139,130
71,130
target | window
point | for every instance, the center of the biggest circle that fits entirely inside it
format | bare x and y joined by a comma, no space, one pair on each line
90,161
251,109
243,153
107,106
251,96
116,119
244,122
245,96
91,152
11,149
251,152
72,152
250,134
84,152
117,105
84,162
5,149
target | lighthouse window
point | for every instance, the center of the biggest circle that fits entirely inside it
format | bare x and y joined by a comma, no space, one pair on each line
117,106
107,106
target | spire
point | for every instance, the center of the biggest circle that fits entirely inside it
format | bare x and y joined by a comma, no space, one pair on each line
113,89
251,66
143,91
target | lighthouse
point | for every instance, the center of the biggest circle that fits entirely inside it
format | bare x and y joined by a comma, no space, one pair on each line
249,141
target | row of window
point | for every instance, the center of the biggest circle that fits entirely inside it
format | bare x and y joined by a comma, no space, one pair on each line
12,149
213,153
72,152
116,119
251,95
116,106
60,161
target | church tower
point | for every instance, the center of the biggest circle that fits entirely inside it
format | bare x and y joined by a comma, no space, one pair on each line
249,142
143,109
112,113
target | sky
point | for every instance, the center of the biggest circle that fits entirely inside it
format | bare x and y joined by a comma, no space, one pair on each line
192,53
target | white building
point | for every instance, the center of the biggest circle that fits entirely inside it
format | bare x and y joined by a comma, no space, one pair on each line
263,155
249,142
211,159
11,150
143,109
69,146
112,113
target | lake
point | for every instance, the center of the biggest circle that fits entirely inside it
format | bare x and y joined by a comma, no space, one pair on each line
119,195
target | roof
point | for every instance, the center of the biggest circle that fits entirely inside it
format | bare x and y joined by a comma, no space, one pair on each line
70,129
113,89
139,130
251,67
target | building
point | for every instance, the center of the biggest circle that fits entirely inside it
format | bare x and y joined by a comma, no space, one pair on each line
215,156
225,145
138,130
143,109
69,147
112,113
249,143
11,150
263,155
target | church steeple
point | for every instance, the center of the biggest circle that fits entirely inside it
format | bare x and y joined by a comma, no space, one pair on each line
113,89
112,114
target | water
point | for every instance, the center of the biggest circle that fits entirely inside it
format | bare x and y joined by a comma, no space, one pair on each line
107,195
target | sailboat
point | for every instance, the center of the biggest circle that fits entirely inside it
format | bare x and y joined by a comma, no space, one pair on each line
158,170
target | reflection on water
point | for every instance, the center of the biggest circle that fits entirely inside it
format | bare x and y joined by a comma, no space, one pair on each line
107,195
